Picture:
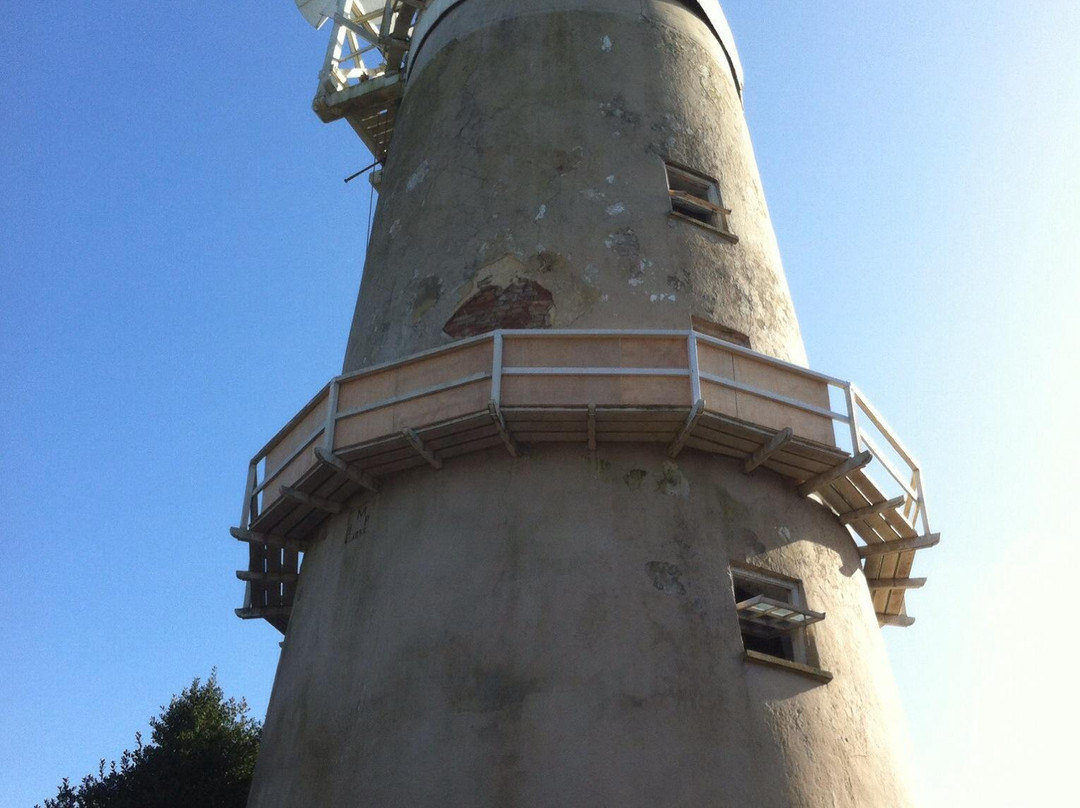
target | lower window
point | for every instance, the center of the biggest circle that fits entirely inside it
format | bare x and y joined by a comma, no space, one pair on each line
772,613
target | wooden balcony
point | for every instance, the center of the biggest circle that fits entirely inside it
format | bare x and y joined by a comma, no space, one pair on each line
682,389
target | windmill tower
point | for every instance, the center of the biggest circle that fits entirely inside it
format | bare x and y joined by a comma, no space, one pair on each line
579,525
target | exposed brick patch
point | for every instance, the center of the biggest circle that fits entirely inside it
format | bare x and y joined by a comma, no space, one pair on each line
521,304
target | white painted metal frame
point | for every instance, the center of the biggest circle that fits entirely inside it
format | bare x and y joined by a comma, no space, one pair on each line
360,28
856,409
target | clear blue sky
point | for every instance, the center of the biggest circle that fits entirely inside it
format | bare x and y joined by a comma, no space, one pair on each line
178,265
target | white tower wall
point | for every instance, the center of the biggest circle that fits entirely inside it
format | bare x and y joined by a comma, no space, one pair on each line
559,629
531,144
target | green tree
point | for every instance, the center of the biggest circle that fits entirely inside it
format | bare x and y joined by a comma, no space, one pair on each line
201,754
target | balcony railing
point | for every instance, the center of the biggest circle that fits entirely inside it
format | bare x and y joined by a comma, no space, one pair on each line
508,388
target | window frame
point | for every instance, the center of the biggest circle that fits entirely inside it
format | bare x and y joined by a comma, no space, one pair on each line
705,209
756,579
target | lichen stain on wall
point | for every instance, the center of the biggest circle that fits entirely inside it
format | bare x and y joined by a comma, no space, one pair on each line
428,292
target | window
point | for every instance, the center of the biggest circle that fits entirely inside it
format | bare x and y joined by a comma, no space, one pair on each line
697,198
773,618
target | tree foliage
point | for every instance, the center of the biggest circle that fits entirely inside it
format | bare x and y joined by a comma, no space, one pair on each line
201,754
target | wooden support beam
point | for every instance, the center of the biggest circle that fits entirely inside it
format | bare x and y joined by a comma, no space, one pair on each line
424,451
504,432
347,470
901,620
312,502
267,612
591,417
688,427
778,442
900,545
819,481
270,539
896,583
871,510
267,577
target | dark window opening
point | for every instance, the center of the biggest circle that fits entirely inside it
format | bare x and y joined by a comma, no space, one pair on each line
765,642
772,617
697,197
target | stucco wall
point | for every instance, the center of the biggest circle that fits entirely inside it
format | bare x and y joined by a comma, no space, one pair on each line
531,146
560,630
557,631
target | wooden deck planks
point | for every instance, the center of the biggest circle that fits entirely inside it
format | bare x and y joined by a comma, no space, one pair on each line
578,435
476,445
714,448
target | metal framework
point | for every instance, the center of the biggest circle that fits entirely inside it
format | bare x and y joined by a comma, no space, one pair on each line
362,79
513,388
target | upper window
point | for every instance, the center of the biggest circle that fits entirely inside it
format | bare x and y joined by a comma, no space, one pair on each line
697,198
773,618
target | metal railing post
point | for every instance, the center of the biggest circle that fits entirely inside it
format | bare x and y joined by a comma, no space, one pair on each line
249,496
922,502
853,421
496,368
331,415
695,369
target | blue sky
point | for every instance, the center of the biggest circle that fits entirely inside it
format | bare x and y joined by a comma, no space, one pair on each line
178,265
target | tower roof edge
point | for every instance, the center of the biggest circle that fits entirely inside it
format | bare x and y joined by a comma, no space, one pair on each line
710,9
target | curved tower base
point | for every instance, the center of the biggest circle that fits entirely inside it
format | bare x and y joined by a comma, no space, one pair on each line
561,630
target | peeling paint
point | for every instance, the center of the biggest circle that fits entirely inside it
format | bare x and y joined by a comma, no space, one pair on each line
616,108
636,280
428,292
418,176
605,44
661,298
625,243
616,209
610,179
592,194
541,213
